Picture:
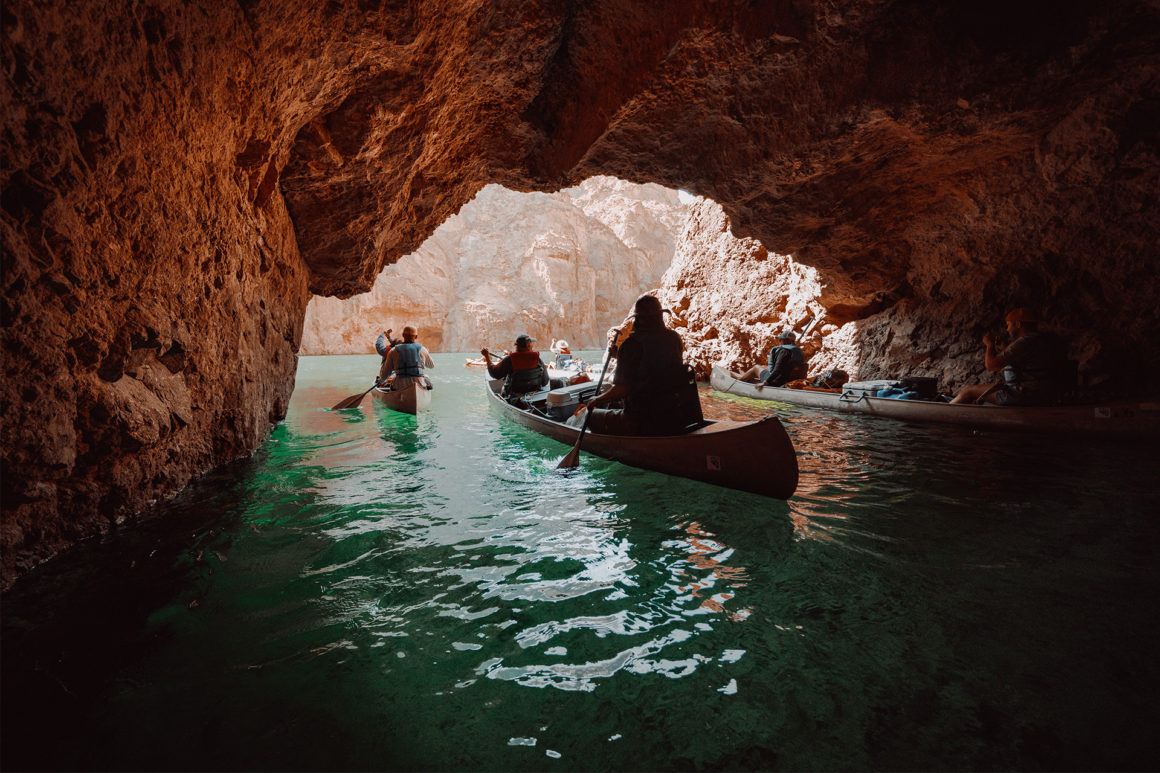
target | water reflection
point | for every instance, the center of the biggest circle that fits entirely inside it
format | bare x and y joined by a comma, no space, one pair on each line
376,590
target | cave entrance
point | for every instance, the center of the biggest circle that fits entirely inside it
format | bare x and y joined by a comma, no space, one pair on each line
569,264
557,265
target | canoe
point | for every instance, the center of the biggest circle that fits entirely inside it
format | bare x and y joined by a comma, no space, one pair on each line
755,456
1119,418
411,400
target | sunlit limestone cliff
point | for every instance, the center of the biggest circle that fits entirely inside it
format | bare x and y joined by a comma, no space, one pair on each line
564,265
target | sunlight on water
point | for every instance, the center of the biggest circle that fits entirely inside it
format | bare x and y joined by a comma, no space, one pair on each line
375,590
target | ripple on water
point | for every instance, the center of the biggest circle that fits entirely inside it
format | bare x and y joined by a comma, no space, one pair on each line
401,593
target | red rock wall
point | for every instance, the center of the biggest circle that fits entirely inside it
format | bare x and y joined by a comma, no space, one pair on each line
177,177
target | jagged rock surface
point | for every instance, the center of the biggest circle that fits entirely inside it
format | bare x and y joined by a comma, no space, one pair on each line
563,265
178,178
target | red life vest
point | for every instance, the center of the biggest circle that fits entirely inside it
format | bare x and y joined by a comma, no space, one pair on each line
527,374
524,360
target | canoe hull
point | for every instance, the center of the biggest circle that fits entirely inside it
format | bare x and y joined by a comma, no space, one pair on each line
1129,418
411,400
757,457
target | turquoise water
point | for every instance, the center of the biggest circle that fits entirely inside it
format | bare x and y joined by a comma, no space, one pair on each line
378,591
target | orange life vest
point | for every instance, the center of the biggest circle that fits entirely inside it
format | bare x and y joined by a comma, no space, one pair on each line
527,374
525,360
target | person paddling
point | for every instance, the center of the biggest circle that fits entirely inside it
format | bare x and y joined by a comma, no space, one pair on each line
522,371
407,361
657,389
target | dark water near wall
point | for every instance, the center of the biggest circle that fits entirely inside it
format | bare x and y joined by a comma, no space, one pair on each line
376,591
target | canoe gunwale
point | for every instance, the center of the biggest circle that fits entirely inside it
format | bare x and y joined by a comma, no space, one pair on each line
1110,418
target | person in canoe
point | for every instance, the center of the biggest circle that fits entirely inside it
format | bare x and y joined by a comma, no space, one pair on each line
563,353
384,342
787,363
407,360
522,371
1034,365
652,382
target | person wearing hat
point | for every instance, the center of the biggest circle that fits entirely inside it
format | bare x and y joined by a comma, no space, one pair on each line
563,353
407,361
787,362
522,370
652,382
1034,365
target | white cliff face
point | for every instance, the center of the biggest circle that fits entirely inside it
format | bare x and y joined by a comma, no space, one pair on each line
562,265
731,296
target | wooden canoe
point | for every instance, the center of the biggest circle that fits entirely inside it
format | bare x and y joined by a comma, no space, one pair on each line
754,456
411,400
1124,418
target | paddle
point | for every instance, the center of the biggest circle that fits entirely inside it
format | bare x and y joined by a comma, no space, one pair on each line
573,457
354,400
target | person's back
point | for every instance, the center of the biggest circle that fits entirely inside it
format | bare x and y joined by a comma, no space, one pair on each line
656,387
786,363
407,361
522,371
659,401
527,373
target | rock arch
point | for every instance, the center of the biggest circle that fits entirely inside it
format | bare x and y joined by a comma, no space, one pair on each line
179,177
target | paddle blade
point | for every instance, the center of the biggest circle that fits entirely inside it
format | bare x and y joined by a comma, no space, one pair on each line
350,402
571,460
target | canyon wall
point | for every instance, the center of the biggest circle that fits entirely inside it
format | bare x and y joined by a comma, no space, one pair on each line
562,265
179,177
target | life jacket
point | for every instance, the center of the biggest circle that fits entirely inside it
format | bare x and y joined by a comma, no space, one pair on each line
410,361
527,375
793,365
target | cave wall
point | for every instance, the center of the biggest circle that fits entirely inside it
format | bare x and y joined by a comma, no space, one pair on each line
178,177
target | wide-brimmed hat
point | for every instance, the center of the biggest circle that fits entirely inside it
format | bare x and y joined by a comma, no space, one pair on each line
786,335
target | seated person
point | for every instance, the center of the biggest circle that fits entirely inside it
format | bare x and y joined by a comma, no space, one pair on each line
406,360
787,363
563,353
384,342
1033,365
522,371
657,388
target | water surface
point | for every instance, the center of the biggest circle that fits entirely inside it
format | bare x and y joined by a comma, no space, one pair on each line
378,591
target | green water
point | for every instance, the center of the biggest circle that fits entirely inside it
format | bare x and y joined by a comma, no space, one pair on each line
378,591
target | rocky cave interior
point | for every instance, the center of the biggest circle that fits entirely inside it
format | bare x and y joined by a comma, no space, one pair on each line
180,178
